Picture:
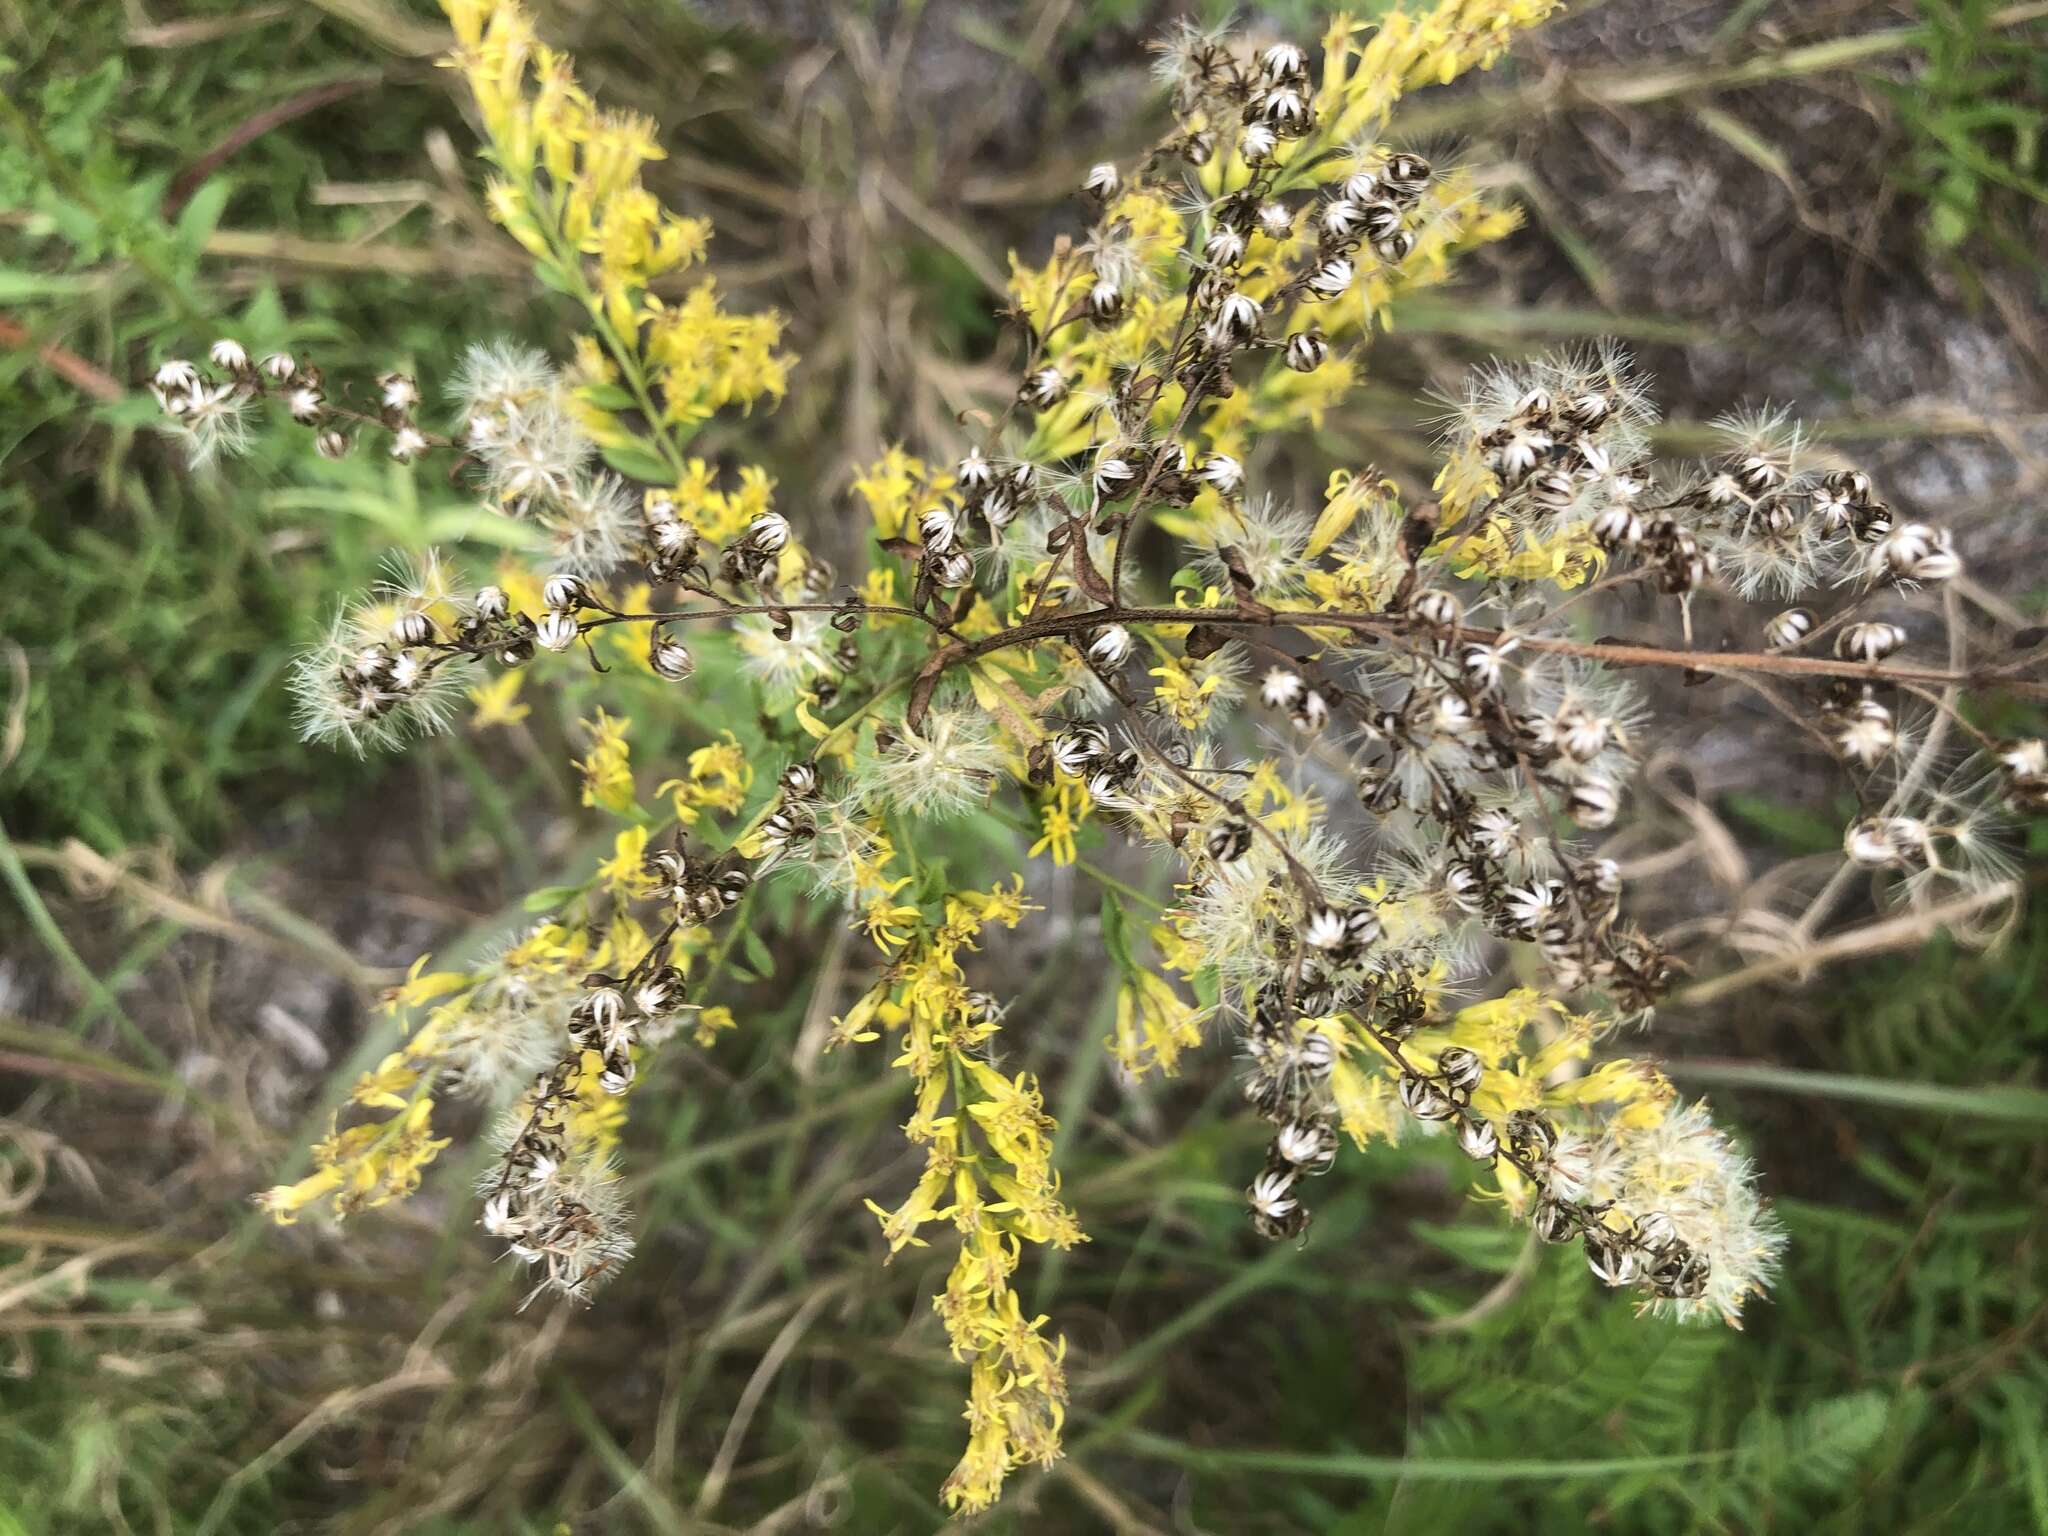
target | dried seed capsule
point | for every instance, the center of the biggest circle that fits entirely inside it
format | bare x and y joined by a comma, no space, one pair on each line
768,534
1788,628
332,444
1101,182
1594,804
1306,351
1229,840
1342,220
491,604
1237,318
1283,61
1553,1221
1281,688
731,884
1530,1136
1395,248
1308,1145
660,993
1075,749
1478,1140
1224,248
1553,489
1407,175
1655,1232
1916,552
952,568
1105,301
1617,528
557,630
669,657
1275,1211
1878,842
1851,485
1438,609
1588,410
1460,1069
1612,1262
1255,145
280,366
412,629
800,780
1110,646
1285,109
1872,641
974,474
562,591
1222,472
1866,734
1044,389
1331,279
1681,1274
229,354
939,529
1114,479
1425,1100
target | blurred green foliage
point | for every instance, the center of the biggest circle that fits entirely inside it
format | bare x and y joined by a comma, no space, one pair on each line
155,608
1976,121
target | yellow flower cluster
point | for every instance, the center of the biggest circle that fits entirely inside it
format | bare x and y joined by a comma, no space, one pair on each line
1362,81
716,778
898,489
988,1172
569,189
608,770
1154,1024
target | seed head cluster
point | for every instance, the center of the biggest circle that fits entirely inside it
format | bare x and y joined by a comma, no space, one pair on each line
1368,742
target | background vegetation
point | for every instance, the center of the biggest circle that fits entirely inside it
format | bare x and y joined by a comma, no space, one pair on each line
201,911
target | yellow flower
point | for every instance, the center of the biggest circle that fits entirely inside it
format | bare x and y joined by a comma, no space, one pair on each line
1153,1025
1185,700
710,1021
718,777
607,771
1060,817
624,871
497,701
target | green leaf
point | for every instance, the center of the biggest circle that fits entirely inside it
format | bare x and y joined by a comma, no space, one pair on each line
551,896
1114,939
758,954
199,216
636,461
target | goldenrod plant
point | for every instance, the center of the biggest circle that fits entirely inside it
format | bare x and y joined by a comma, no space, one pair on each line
1368,738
